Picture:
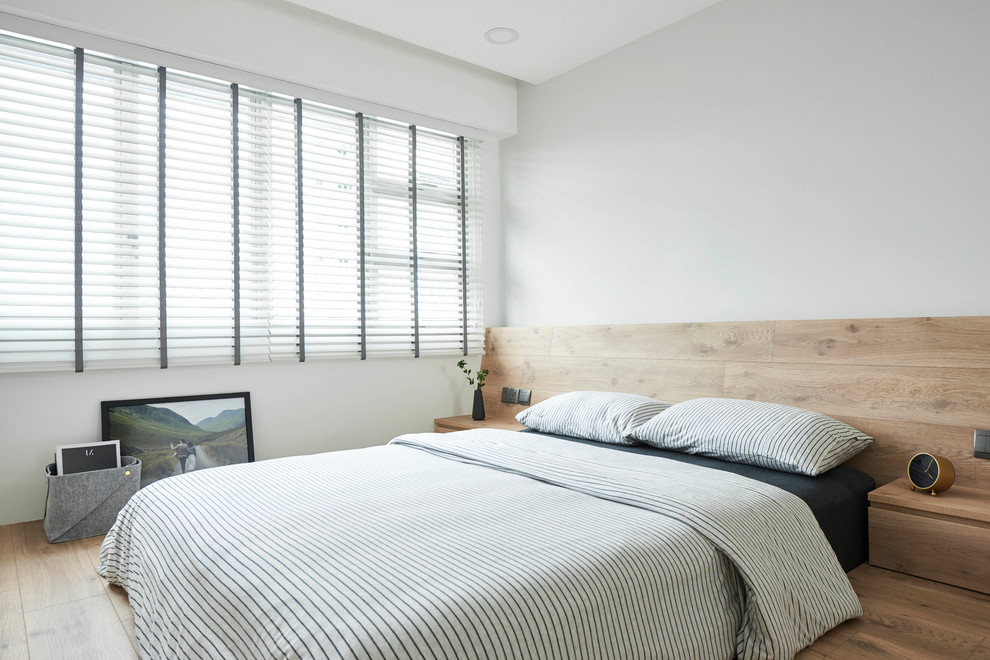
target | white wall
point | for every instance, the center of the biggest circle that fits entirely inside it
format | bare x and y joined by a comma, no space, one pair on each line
763,159
297,408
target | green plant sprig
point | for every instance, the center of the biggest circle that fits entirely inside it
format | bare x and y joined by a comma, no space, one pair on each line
479,377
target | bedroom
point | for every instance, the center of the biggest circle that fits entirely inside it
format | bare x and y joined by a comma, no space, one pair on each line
807,160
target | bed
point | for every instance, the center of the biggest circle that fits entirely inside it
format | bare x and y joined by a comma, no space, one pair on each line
477,544
838,499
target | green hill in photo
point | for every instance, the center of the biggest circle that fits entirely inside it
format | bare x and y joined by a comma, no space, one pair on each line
225,421
146,428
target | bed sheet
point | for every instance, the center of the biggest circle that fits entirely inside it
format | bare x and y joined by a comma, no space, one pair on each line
838,498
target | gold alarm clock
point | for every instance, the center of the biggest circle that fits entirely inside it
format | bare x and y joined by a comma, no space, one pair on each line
931,473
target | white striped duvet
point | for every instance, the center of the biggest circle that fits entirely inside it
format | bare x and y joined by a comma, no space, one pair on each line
422,550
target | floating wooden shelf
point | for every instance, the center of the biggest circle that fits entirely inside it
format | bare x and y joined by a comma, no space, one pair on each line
942,538
464,422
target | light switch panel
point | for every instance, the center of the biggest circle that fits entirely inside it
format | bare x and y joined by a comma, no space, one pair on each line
510,394
981,443
525,396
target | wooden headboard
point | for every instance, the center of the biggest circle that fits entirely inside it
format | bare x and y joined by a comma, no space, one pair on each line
915,384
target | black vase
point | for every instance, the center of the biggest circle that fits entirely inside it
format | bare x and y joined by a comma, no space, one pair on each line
479,406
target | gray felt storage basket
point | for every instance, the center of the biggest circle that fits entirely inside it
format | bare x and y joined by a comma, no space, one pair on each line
87,503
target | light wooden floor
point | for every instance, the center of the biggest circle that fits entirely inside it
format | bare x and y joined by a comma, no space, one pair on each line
54,605
52,602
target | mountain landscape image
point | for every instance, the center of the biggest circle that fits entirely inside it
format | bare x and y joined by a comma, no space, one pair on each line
148,432
225,421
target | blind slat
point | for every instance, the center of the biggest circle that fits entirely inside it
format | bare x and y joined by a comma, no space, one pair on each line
38,292
390,260
120,223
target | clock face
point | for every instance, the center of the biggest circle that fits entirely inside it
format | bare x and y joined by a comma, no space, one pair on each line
923,470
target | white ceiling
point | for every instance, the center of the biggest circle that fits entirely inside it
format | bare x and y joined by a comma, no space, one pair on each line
554,35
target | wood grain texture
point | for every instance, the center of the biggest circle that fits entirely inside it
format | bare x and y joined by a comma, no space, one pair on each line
906,646
92,546
903,614
117,595
928,514
896,442
99,626
8,567
983,651
131,634
926,395
914,384
57,573
464,422
960,607
839,635
961,613
63,630
13,638
118,598
670,380
518,341
906,617
503,371
956,341
959,502
740,342
508,411
940,550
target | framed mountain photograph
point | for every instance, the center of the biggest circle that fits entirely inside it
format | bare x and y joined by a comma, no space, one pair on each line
179,434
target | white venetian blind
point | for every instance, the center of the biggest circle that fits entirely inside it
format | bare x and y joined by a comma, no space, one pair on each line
474,319
439,247
389,238
37,218
269,281
153,217
331,232
120,210
199,262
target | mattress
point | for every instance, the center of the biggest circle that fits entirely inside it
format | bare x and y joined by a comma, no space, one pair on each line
478,544
837,498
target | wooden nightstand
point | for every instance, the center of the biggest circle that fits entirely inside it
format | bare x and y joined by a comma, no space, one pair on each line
943,538
464,422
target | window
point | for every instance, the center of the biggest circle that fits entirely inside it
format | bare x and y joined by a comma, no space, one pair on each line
37,207
156,217
120,292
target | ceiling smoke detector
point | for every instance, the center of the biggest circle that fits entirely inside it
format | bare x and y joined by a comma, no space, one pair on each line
501,36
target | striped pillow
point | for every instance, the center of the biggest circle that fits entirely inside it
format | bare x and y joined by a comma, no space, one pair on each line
770,435
603,416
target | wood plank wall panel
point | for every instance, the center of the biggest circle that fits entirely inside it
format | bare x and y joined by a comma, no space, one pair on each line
896,442
927,395
740,342
915,384
673,379
495,408
952,341
518,341
668,380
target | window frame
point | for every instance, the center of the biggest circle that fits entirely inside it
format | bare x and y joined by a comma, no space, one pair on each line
464,228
